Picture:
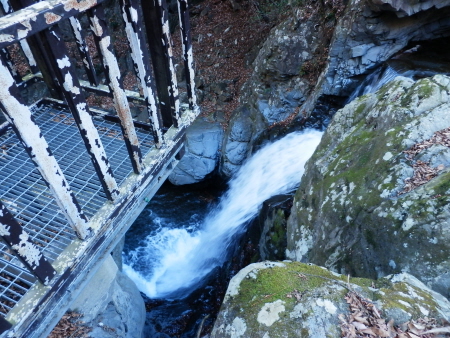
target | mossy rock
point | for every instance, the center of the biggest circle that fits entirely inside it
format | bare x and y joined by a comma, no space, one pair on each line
261,301
349,214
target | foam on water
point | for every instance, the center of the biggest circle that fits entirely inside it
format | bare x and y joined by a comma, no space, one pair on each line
180,258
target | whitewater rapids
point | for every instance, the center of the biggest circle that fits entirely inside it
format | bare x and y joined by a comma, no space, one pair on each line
181,258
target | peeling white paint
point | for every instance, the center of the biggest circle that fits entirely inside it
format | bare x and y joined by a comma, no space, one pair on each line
47,165
4,230
28,250
63,63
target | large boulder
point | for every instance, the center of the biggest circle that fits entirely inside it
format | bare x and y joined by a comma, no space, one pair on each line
203,142
291,299
323,51
367,208
273,94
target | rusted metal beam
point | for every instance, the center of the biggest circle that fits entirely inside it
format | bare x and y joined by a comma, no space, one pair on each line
84,51
29,134
41,58
158,35
7,9
39,16
6,58
19,241
75,99
4,325
114,226
101,33
133,25
188,58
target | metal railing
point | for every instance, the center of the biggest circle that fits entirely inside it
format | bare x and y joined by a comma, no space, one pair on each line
72,176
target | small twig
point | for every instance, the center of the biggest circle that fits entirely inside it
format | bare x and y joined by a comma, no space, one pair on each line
199,331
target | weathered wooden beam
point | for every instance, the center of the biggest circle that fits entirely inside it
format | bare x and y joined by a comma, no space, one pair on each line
158,36
39,16
19,241
188,58
84,51
75,99
141,59
29,134
101,33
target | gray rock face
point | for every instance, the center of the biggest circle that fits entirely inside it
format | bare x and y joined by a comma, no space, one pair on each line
111,304
275,90
203,141
365,37
350,213
408,7
291,299
237,140
124,315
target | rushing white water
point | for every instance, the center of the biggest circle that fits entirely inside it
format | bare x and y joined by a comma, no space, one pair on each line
375,81
182,257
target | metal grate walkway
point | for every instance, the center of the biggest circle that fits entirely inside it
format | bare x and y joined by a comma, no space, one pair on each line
25,194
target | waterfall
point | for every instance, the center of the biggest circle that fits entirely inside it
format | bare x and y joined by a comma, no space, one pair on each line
375,81
171,259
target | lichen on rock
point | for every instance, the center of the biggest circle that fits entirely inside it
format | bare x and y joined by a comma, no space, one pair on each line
260,301
349,214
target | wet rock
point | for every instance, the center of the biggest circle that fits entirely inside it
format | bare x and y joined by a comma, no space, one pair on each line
351,213
272,221
203,141
291,299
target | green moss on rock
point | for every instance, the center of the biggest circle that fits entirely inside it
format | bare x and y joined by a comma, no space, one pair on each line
293,299
349,213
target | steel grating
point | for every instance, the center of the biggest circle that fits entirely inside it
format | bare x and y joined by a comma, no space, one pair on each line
25,194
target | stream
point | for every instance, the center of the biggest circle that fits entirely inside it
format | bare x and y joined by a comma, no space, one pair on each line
187,244
176,247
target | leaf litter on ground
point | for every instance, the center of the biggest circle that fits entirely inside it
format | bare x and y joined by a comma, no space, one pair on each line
366,321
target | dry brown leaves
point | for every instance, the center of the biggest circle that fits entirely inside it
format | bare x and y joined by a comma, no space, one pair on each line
365,321
223,38
422,171
70,326
422,174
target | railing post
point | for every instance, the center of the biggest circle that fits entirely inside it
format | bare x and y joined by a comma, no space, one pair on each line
101,34
133,25
188,58
158,35
84,51
19,241
72,91
23,43
29,134
34,49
